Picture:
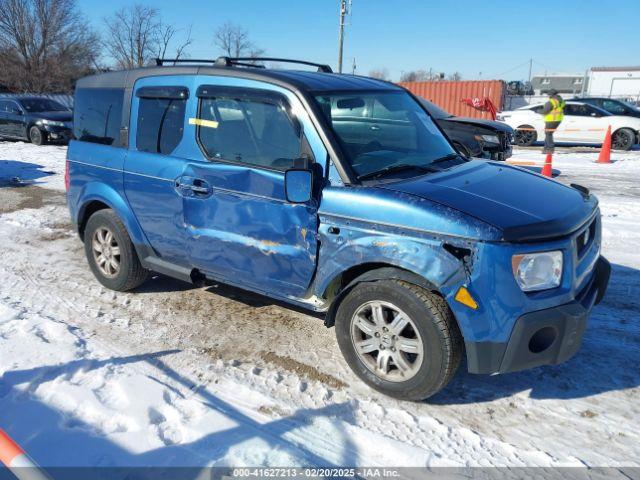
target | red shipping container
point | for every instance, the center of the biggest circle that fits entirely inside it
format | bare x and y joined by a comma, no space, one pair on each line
449,94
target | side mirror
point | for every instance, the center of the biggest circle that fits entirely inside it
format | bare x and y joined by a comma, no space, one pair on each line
298,183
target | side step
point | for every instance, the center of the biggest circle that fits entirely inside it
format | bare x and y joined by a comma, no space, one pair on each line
169,269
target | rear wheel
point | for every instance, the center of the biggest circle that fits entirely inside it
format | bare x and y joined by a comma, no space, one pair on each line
623,139
36,136
111,254
525,135
399,338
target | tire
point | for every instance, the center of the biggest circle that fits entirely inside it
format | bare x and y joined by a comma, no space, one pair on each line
36,136
623,139
462,149
130,273
432,332
525,136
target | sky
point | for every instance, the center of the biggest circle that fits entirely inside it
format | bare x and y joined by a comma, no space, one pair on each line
487,39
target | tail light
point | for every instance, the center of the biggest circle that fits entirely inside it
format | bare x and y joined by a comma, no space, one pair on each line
66,176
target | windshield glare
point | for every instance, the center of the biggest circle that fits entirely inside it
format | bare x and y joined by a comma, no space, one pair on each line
435,111
41,105
378,130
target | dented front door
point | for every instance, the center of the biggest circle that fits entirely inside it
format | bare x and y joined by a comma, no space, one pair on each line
240,226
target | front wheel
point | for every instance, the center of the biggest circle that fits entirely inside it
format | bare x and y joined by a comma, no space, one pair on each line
36,136
400,339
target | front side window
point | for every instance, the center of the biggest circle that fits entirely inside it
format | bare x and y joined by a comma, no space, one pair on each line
614,107
394,132
161,122
249,129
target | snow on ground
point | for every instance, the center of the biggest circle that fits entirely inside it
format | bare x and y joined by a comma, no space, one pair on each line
176,375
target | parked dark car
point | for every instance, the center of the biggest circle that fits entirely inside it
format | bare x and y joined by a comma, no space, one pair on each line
474,137
39,120
612,105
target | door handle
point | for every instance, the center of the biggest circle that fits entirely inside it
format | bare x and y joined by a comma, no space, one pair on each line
195,185
199,189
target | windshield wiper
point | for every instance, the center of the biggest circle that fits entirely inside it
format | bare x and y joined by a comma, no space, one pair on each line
450,156
397,168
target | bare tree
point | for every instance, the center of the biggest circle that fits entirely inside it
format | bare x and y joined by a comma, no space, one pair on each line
415,76
422,76
380,73
233,41
45,45
136,35
455,76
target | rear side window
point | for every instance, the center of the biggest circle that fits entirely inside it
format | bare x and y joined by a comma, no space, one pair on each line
160,118
98,115
249,129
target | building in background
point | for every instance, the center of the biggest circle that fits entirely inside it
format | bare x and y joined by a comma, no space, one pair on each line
567,83
620,82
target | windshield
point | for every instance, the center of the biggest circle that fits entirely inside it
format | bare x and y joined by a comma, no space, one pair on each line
41,105
435,111
382,130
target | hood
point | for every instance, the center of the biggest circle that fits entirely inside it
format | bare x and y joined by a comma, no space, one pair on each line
522,204
59,116
481,122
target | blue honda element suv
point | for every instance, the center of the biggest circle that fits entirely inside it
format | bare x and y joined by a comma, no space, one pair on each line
342,195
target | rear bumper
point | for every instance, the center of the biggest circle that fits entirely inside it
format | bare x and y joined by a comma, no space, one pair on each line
543,337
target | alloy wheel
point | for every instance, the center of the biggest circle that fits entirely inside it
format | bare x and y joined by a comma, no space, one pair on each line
106,252
387,341
524,137
620,141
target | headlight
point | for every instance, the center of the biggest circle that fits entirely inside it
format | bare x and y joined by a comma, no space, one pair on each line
52,123
488,138
537,271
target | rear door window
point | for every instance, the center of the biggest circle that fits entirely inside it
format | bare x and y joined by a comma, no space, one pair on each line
577,110
161,113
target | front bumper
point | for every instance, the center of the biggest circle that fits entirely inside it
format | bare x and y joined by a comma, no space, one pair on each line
57,134
543,337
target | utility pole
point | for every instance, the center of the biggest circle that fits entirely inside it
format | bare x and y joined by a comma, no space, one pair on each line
353,67
344,11
530,65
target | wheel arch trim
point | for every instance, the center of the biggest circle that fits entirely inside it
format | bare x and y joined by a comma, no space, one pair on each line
99,192
375,272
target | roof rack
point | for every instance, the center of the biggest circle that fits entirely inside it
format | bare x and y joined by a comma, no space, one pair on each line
161,61
241,61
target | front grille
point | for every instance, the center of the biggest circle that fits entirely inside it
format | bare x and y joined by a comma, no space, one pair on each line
585,238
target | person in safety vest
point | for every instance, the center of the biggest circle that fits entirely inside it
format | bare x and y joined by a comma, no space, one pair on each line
553,113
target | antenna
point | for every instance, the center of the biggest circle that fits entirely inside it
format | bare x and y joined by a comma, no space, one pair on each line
345,9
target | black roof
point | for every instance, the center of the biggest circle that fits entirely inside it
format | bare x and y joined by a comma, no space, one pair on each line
295,79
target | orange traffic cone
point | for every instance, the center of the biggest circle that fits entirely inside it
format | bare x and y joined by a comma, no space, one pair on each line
547,170
605,151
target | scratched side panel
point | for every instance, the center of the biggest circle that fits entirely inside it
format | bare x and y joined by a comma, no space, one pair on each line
360,243
247,231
